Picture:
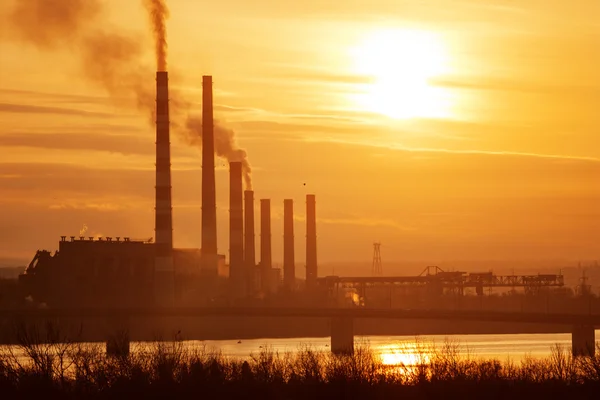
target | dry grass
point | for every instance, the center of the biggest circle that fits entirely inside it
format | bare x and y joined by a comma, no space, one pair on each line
57,368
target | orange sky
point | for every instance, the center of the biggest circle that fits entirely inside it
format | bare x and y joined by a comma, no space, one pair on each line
510,171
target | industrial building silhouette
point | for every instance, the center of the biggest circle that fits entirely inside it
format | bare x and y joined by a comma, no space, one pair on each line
127,272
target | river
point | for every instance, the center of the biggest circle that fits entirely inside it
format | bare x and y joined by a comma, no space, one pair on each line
392,350
405,349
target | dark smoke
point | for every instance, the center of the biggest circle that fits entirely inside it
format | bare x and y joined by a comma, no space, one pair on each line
225,145
114,59
158,16
119,71
111,60
52,23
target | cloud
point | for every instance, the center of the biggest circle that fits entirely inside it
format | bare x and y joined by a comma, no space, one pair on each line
55,97
46,181
319,76
227,108
400,147
89,206
370,222
123,144
33,109
513,85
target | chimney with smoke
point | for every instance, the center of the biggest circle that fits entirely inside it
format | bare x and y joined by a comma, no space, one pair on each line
249,245
164,272
265,243
209,202
236,230
311,241
289,267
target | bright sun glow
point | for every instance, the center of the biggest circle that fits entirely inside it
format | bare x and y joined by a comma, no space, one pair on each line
406,354
401,64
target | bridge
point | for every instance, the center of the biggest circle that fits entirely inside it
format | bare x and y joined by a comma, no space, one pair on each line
581,326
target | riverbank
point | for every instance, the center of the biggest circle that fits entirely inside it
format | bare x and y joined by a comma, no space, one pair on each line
71,370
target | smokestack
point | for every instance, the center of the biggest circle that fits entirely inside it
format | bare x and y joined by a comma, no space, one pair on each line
209,202
289,264
249,245
265,243
163,222
311,240
236,230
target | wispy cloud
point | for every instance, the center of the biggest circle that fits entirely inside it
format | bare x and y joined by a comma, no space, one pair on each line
55,97
370,222
308,75
31,109
106,207
79,141
400,147
497,84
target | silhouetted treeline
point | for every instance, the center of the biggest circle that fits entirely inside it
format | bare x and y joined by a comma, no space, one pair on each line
58,370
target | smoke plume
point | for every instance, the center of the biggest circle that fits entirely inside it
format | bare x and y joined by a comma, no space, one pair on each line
110,59
113,60
225,145
158,15
83,230
52,24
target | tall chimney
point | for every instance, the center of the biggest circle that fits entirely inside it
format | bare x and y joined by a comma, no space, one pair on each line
164,278
265,243
311,240
209,203
249,245
289,264
236,230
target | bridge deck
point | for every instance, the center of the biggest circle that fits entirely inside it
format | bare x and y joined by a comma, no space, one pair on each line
483,316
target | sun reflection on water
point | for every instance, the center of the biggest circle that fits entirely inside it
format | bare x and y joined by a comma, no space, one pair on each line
405,354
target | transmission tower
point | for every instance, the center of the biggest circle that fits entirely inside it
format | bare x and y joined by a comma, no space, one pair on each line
377,271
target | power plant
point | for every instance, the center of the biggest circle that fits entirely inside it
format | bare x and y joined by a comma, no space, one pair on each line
132,272
136,272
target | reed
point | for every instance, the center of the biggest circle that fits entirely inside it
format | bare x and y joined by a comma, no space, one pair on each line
61,369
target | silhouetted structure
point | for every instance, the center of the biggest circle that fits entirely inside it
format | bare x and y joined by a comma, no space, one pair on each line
289,264
377,270
236,230
432,283
265,244
311,241
249,244
80,266
164,287
209,202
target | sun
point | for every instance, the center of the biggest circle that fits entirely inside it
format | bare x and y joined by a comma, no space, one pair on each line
400,65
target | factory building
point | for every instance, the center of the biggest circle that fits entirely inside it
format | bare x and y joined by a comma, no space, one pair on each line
110,272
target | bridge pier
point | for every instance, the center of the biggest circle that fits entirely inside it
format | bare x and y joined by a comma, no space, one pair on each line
117,340
342,335
583,340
